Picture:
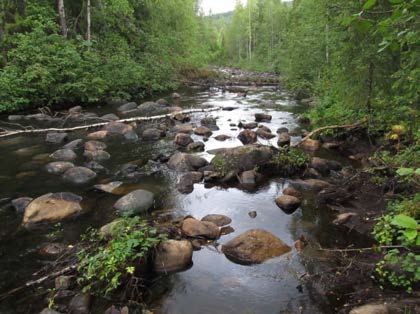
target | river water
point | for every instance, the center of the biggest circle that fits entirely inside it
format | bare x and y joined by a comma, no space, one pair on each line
213,284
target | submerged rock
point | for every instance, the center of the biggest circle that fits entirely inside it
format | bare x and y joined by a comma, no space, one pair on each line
96,155
19,204
135,202
128,106
222,137
182,128
74,144
95,145
56,138
310,145
58,167
254,246
195,228
118,128
210,123
172,256
52,250
98,135
249,125
218,220
152,134
51,208
310,184
109,187
79,175
185,183
64,155
196,147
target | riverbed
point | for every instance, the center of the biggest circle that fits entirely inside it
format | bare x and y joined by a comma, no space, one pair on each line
214,284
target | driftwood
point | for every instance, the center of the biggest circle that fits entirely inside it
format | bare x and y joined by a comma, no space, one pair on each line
100,124
329,127
39,281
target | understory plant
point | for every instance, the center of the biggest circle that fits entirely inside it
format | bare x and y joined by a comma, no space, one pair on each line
109,261
288,161
398,235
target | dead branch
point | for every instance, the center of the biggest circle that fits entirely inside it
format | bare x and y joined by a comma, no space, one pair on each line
38,281
364,248
329,127
95,125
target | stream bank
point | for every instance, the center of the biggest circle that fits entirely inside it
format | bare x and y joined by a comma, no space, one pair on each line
174,160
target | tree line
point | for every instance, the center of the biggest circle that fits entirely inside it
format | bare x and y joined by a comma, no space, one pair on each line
84,51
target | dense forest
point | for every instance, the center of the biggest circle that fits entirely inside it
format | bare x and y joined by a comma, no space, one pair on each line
352,65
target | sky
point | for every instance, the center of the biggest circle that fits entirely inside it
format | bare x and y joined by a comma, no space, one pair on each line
218,6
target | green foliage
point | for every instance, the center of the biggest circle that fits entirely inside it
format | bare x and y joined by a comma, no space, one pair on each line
288,161
105,265
400,228
137,48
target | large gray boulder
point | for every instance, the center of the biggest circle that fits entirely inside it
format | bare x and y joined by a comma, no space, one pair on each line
135,202
254,246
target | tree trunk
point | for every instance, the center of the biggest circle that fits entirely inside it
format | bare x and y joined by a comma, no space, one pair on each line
88,21
62,14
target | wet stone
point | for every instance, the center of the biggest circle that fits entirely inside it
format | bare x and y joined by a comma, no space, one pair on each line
247,137
196,147
56,138
53,250
218,220
74,144
195,228
172,256
64,155
79,175
95,145
288,203
58,167
80,304
135,202
252,214
109,187
183,139
226,230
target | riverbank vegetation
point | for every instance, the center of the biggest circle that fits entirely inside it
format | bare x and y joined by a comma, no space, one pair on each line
89,51
351,61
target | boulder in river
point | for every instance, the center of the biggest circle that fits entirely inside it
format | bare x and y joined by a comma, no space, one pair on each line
183,128
74,144
254,246
222,137
51,208
122,129
186,162
173,256
262,117
96,155
283,140
110,117
95,145
310,184
291,191
151,108
58,167
310,145
200,229
185,183
135,202
210,123
152,134
218,220
128,106
265,134
183,139
203,131
247,137
64,155
196,147
288,203
56,138
79,175
249,125
98,135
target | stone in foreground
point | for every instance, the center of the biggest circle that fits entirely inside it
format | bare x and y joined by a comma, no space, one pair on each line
172,256
288,203
51,208
135,202
254,246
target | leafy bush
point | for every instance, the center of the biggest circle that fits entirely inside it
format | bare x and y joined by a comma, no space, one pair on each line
398,234
288,161
108,263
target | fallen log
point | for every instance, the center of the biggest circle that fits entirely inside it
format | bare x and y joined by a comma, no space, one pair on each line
329,127
95,125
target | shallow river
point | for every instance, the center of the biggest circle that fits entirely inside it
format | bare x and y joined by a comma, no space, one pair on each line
213,284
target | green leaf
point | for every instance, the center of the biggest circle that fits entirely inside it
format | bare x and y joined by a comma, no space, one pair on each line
369,4
405,172
417,172
410,234
396,1
404,221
